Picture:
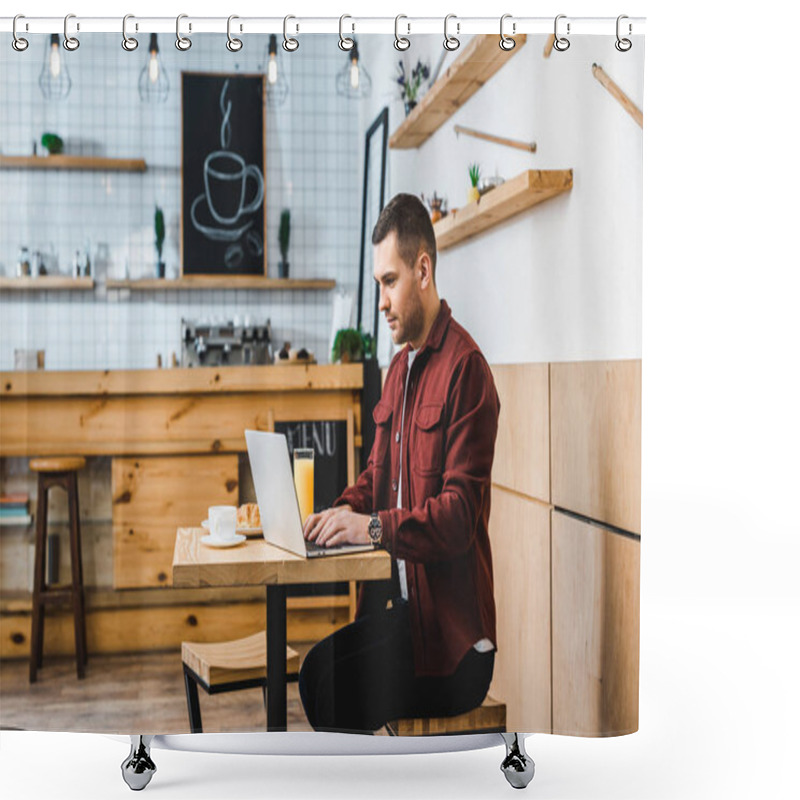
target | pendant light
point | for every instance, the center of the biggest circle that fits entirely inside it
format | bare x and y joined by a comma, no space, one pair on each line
54,80
277,85
153,80
353,80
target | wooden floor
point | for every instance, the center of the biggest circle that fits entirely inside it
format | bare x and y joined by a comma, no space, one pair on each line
128,694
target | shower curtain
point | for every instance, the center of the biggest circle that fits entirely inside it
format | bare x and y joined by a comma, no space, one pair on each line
146,195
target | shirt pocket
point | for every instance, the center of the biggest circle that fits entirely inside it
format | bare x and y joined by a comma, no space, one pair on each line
427,453
382,414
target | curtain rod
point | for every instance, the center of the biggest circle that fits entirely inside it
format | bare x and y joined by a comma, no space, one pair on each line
407,26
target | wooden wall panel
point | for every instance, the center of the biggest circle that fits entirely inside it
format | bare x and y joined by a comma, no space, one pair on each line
519,530
151,498
595,629
596,440
522,452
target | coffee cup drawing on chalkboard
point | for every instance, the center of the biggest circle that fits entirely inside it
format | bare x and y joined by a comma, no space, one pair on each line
221,212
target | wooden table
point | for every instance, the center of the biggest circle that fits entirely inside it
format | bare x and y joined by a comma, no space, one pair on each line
258,563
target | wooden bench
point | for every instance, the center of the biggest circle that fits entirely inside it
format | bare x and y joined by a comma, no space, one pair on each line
220,667
489,717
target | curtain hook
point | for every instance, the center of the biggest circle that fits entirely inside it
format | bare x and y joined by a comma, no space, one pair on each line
233,44
19,44
128,42
345,42
561,43
183,43
70,42
451,42
400,42
623,45
506,42
289,44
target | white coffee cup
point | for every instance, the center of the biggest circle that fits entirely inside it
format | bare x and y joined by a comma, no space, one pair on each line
222,522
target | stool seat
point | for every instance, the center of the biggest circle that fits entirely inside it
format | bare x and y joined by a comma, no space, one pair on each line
238,660
227,667
57,464
489,717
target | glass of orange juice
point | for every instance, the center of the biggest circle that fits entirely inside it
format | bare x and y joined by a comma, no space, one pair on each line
304,480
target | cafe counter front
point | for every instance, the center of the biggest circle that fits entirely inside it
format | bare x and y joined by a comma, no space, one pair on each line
161,447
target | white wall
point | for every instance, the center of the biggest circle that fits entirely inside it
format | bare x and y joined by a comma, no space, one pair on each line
562,281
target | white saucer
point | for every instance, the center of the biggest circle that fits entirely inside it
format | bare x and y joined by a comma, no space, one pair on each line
245,531
212,541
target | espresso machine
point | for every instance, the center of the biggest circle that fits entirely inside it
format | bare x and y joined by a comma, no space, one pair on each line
232,343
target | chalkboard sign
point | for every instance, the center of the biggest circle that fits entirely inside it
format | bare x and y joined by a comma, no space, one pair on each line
329,441
223,219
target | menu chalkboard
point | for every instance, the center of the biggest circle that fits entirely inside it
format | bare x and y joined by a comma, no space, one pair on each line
223,219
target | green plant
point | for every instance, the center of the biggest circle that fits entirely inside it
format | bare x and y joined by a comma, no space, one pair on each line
160,231
410,84
53,143
350,344
474,174
284,230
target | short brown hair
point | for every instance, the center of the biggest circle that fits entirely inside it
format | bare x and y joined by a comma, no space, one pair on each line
408,218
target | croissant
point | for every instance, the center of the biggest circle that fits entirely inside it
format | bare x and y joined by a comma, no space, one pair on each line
248,516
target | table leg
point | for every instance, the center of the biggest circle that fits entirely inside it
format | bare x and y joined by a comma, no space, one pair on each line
276,658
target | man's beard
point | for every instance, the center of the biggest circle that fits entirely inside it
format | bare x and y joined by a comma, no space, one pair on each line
413,324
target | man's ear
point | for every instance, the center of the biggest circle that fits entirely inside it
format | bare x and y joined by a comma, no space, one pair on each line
425,270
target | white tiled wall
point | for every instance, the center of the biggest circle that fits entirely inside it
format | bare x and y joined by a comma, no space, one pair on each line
312,168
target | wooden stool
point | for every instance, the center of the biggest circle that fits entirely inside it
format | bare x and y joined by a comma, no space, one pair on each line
489,717
227,667
61,472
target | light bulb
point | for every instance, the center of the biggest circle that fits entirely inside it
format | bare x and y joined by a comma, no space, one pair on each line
152,67
272,70
354,74
55,60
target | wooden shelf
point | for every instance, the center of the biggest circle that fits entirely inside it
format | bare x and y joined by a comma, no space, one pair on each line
481,58
222,282
46,282
528,189
73,162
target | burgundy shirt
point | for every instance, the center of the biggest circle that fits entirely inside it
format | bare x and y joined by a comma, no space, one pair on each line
441,530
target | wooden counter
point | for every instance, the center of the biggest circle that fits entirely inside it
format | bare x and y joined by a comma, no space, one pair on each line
175,437
138,412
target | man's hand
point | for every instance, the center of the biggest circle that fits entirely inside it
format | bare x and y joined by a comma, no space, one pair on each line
340,525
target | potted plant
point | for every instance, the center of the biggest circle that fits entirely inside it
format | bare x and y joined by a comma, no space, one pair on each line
410,84
351,345
284,229
160,233
474,178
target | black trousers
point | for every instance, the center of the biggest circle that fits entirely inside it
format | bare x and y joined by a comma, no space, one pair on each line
362,676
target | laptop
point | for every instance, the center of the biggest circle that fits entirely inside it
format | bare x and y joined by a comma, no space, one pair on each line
277,499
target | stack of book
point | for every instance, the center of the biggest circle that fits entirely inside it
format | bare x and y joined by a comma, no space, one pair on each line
14,509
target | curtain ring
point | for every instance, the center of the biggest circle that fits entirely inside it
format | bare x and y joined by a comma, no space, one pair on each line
506,42
289,44
19,44
128,42
345,42
400,42
70,42
450,42
561,43
233,44
183,43
623,45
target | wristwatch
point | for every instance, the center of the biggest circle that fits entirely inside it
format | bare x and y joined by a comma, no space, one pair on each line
375,529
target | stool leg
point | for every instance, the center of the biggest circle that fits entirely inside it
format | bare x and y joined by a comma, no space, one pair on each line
77,574
192,702
37,609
